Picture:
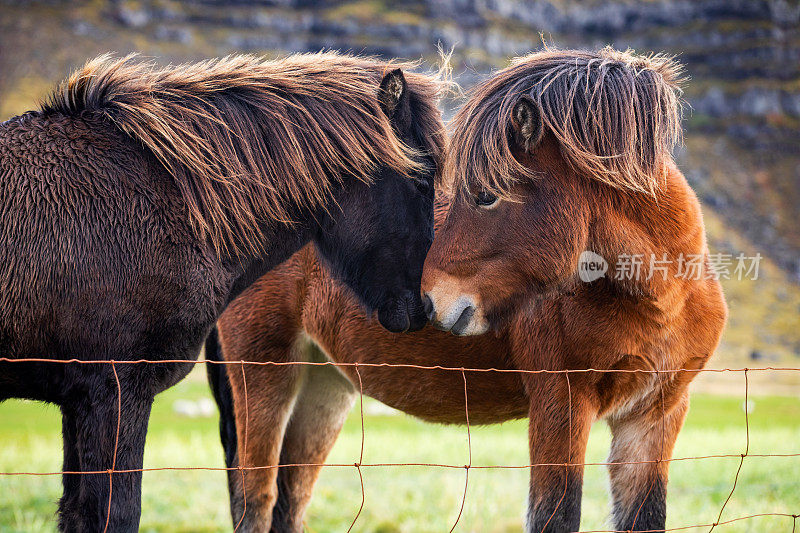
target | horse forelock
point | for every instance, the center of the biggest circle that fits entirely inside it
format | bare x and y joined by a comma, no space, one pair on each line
248,139
615,115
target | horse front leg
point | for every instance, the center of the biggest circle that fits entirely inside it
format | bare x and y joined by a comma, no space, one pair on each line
262,413
107,501
560,417
318,416
68,511
641,446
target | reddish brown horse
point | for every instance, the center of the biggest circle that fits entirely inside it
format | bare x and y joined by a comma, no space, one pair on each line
561,153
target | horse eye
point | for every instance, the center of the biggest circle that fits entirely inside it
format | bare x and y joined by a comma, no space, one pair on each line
423,186
485,199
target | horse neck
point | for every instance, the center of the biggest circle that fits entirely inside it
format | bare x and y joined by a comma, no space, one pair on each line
279,241
634,224
672,221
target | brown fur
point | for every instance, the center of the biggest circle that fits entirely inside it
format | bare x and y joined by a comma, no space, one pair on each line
517,262
231,130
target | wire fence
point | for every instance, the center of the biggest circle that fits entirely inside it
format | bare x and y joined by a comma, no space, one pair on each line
359,464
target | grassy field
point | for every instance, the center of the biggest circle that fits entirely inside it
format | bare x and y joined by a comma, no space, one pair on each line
419,499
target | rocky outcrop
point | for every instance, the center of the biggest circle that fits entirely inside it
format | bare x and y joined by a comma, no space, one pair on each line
746,52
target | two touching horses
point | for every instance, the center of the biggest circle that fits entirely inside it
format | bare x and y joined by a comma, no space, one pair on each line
559,154
138,202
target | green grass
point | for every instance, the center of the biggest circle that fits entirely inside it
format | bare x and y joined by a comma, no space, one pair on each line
418,499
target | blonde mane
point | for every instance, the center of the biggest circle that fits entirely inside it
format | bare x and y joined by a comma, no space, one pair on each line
616,116
246,138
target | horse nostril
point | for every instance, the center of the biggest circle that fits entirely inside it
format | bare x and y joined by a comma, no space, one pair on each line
427,305
463,320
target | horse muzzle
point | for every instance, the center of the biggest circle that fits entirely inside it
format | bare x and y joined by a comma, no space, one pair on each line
403,314
459,314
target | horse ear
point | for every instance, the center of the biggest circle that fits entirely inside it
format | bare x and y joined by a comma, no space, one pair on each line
526,119
392,92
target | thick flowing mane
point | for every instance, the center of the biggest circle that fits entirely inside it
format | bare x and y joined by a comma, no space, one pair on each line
245,137
616,116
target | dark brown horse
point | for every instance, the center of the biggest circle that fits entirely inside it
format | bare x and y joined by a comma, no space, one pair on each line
139,201
561,153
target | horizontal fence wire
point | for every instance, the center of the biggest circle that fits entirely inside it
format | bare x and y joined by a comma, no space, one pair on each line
466,466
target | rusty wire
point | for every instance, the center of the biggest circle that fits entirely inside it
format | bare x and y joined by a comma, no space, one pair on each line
244,449
469,451
243,469
361,453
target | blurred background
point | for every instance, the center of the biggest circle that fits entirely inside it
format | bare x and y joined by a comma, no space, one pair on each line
741,153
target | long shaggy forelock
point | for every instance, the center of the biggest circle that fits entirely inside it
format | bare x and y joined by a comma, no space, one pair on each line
616,116
246,138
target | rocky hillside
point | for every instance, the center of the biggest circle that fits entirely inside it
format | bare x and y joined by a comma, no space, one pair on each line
742,143
743,57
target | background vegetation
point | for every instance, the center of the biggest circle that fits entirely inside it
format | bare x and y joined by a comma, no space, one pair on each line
740,154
